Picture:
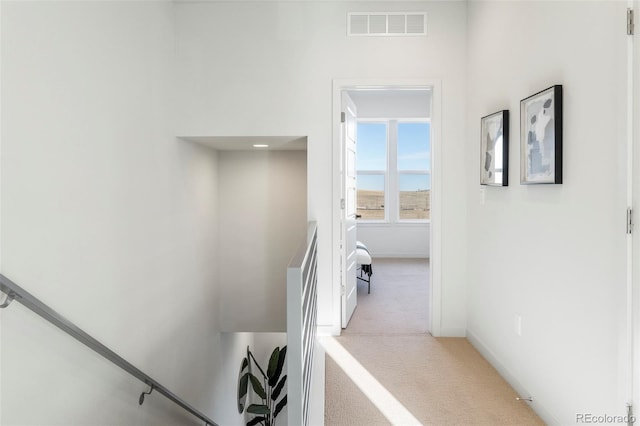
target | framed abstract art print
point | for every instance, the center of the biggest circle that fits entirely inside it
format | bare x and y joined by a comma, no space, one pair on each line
541,137
494,149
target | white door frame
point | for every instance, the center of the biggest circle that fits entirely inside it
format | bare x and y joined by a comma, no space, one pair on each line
633,265
434,325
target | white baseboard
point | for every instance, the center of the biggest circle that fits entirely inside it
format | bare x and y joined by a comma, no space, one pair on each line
401,255
452,332
488,354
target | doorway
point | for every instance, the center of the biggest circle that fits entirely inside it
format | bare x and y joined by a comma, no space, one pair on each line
393,89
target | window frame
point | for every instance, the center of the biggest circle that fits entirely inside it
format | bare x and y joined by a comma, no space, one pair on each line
384,173
392,173
398,172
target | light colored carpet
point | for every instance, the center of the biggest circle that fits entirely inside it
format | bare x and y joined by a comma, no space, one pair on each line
398,302
442,381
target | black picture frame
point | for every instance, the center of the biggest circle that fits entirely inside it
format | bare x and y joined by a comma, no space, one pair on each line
494,149
541,137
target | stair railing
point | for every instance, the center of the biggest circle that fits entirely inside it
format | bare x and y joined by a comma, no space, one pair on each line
16,293
302,310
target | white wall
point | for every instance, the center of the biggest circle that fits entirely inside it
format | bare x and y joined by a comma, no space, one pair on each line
262,222
106,217
395,240
553,254
266,68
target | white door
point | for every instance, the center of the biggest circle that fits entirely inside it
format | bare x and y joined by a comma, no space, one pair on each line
348,203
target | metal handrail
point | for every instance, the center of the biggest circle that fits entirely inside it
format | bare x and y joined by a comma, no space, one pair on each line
22,296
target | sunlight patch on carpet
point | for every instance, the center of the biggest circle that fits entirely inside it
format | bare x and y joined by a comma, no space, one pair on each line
379,396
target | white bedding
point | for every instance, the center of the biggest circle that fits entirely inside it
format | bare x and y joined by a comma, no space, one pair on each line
362,254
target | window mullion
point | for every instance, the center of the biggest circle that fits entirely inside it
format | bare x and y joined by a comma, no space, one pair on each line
414,172
393,194
371,172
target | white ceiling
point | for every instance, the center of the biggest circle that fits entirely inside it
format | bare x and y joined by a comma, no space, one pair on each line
245,143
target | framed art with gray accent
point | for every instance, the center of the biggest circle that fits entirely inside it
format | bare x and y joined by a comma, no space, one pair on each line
494,149
541,137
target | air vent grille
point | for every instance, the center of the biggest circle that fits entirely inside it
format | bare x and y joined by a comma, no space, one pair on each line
387,24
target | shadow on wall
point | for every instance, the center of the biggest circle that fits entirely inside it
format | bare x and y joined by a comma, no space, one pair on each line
262,217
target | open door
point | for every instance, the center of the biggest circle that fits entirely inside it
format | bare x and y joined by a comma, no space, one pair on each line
348,218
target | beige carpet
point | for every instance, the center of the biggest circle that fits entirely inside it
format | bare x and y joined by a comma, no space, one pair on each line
398,301
442,381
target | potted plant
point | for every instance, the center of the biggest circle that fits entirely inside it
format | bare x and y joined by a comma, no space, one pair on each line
267,386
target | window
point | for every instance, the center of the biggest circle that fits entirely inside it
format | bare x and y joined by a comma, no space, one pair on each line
394,170
414,164
371,163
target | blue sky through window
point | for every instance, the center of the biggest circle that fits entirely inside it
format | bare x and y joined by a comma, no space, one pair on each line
414,153
413,146
372,146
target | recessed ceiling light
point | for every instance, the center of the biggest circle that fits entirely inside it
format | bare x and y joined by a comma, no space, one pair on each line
260,145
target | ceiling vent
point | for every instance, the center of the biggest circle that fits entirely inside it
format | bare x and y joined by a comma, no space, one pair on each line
387,24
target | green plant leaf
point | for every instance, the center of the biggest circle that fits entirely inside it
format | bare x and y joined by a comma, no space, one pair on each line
256,363
273,364
255,421
258,409
243,385
279,406
276,392
257,387
243,381
281,357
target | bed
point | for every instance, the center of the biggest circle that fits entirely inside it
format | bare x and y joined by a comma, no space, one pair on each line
363,258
